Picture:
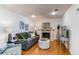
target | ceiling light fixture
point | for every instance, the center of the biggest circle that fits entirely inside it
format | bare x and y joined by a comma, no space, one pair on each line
54,12
33,16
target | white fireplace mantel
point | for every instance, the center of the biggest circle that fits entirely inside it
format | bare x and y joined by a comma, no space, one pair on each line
47,31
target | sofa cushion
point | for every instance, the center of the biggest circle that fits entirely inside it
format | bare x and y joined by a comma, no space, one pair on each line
29,39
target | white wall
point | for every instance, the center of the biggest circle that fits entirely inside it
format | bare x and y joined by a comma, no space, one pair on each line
71,20
16,25
53,21
10,22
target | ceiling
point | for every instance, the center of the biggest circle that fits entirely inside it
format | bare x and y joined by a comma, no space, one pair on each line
37,9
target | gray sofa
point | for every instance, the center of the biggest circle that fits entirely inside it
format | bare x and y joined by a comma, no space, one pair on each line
27,43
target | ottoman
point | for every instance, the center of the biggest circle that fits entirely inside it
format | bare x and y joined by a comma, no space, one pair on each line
44,44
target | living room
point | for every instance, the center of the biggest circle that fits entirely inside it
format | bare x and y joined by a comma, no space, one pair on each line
37,29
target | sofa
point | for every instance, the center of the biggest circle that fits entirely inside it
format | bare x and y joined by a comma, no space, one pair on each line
28,42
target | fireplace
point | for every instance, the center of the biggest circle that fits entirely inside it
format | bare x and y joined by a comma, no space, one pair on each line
45,35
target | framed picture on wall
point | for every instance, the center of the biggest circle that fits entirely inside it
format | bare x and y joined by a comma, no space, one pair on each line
46,25
64,29
21,25
26,26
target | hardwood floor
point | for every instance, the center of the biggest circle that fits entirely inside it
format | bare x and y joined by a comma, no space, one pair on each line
53,50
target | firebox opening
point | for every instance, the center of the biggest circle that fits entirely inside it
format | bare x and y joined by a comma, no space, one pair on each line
46,35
